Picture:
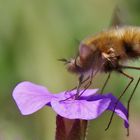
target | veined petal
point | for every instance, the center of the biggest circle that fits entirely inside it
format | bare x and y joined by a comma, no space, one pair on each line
80,109
120,109
31,97
66,94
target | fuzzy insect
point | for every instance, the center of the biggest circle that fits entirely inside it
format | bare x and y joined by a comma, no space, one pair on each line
106,52
108,49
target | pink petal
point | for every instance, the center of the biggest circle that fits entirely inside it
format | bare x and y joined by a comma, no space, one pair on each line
30,97
80,109
66,94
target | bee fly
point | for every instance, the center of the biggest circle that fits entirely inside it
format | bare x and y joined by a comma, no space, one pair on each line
106,52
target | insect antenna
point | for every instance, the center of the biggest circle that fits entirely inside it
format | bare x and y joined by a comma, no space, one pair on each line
64,60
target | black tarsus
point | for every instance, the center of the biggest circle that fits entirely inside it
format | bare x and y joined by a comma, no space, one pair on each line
90,79
131,80
131,96
77,87
106,81
88,84
129,100
129,67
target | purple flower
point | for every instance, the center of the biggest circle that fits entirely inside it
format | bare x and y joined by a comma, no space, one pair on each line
30,98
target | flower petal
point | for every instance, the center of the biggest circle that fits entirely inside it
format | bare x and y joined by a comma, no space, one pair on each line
30,97
66,94
120,109
80,109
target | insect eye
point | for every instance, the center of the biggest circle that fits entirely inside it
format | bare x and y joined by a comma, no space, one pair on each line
85,51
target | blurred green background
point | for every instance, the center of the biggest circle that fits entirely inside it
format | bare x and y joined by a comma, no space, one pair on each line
33,35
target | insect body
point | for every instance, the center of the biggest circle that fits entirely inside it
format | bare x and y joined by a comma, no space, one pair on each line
105,52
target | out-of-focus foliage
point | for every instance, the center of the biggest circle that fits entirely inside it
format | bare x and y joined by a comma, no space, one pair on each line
33,35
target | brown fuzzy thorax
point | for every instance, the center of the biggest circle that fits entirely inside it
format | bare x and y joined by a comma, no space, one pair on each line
110,48
124,40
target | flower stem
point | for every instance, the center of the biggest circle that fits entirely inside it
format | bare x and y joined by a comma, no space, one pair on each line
70,129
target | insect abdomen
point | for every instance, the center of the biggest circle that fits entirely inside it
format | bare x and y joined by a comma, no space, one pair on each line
131,50
131,42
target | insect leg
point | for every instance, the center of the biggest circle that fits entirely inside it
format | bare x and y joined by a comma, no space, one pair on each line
90,79
131,80
132,94
80,82
129,100
130,67
77,87
89,83
106,81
